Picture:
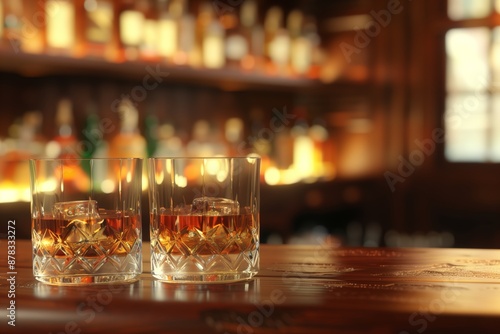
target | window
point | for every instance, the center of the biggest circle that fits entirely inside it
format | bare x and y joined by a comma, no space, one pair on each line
472,115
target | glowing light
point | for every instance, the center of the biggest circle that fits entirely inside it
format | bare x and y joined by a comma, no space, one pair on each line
303,159
318,133
233,129
213,166
221,175
167,29
53,149
290,176
144,182
191,171
48,185
107,186
160,176
168,167
272,176
60,31
24,194
8,195
252,158
180,181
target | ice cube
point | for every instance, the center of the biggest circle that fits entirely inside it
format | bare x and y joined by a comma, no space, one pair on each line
215,206
81,217
76,209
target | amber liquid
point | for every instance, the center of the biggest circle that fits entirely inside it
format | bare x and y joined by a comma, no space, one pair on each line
111,232
205,234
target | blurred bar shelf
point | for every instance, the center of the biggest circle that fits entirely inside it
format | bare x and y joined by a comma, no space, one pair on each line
226,79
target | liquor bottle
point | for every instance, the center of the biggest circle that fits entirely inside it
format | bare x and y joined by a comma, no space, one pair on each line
283,148
26,142
128,143
168,30
301,45
64,143
254,34
148,48
272,23
203,142
131,30
151,133
169,144
186,51
314,39
325,149
33,27
29,139
279,51
301,55
98,28
294,23
93,144
236,44
260,145
204,15
233,133
319,135
277,41
12,25
32,133
213,55
60,26
213,46
92,139
303,151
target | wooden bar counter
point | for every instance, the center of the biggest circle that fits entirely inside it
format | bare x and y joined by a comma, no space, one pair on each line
300,289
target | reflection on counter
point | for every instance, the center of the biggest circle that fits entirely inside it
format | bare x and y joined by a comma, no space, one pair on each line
249,290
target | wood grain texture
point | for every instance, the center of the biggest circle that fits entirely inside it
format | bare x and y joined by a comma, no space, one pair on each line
300,289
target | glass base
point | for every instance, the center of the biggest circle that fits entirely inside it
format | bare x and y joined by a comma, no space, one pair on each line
88,279
207,278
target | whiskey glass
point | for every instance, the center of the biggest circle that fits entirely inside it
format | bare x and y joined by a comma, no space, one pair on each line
86,220
205,222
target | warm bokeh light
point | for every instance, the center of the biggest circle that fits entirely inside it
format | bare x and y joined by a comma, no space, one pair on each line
144,182
303,159
49,185
181,181
107,186
289,176
9,194
272,176
213,166
160,176
221,175
191,171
